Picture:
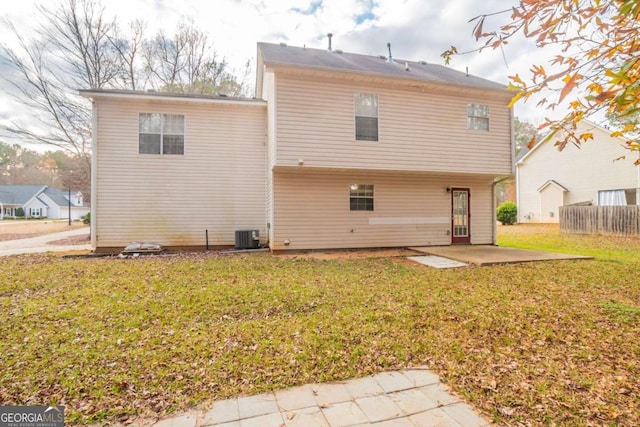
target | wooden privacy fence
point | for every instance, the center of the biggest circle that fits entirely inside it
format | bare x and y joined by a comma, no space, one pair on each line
600,219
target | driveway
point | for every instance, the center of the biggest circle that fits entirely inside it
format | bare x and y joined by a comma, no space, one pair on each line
40,244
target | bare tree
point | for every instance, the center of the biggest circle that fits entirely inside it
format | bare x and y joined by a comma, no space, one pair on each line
79,31
188,63
70,50
78,47
129,50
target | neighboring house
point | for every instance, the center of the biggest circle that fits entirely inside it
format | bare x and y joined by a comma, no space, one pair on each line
340,151
588,175
41,201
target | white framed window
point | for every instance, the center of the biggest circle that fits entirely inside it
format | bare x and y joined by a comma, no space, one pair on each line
161,133
361,197
35,212
478,116
624,197
366,114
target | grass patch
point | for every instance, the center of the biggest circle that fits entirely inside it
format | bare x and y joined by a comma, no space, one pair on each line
536,343
622,311
546,237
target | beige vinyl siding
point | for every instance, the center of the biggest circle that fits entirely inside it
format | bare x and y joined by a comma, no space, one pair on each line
582,171
312,210
551,198
217,185
419,129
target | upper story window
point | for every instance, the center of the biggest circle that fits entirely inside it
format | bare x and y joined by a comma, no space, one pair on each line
161,134
361,197
478,116
366,111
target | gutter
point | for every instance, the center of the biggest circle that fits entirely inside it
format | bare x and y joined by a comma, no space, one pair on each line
94,94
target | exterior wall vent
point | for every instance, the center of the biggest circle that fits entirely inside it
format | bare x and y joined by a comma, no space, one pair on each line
247,239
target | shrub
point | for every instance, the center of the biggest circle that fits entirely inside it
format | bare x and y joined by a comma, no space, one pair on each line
87,218
507,213
20,212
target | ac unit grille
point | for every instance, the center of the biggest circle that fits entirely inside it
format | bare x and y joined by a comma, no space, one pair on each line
247,239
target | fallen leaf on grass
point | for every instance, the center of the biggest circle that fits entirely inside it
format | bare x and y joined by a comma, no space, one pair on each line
505,410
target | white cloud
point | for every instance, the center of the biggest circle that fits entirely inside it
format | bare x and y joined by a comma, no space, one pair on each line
416,29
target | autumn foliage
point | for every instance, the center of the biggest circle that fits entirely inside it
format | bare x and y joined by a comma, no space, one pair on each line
594,68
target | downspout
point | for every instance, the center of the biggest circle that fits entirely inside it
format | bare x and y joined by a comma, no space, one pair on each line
638,184
518,191
493,186
493,207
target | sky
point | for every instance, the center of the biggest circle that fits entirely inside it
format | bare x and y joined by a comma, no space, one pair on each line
418,30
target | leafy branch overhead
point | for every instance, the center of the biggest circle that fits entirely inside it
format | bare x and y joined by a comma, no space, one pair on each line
593,62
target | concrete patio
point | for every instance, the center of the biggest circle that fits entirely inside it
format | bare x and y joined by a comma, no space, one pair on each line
411,398
490,255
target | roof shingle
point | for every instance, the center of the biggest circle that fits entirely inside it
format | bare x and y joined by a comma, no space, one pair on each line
279,54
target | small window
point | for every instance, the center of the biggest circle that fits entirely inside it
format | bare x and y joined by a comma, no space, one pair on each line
361,197
366,112
161,134
478,116
623,197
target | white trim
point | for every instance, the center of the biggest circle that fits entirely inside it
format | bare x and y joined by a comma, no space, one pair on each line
94,175
555,184
35,196
407,220
162,96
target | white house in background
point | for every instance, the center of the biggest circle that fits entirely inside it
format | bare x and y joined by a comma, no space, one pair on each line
589,174
339,150
41,201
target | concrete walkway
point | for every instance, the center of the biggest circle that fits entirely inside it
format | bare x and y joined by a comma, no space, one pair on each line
408,398
490,255
40,244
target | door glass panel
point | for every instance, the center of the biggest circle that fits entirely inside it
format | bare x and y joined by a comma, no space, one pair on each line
460,214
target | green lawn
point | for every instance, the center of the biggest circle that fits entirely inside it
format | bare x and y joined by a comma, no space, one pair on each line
532,344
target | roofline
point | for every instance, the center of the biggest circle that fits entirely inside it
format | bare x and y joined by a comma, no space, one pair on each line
407,78
35,196
166,96
554,183
542,141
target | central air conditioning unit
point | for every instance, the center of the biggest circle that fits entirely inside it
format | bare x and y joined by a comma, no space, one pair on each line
247,239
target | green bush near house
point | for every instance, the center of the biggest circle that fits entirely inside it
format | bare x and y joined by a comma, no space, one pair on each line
20,212
507,213
86,219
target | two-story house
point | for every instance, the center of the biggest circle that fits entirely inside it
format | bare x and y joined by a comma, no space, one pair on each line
339,150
